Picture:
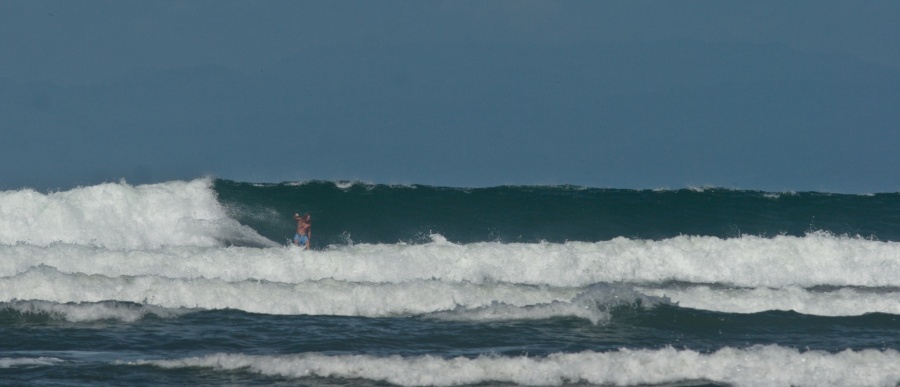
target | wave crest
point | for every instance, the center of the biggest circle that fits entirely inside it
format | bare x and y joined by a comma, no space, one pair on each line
122,216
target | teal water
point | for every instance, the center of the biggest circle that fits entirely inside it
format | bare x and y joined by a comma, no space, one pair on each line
388,214
191,283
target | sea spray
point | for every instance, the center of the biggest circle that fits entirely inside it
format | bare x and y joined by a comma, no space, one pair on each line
180,283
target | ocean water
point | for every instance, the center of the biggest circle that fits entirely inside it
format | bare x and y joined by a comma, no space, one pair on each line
192,282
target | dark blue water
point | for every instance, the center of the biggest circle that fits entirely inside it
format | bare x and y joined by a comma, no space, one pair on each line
417,285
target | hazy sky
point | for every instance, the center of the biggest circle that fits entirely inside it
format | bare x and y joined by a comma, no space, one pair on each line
770,95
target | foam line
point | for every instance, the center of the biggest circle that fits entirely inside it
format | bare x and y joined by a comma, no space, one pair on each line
118,215
754,366
431,298
784,261
90,311
326,297
10,362
839,302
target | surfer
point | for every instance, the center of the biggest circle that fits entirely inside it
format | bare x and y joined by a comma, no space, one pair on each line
301,238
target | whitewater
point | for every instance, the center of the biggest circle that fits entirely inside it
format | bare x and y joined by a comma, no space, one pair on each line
660,304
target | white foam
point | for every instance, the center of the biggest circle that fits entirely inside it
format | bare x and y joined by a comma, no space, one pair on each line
430,298
9,362
118,215
344,185
594,304
326,297
839,302
504,312
480,280
91,311
748,261
754,366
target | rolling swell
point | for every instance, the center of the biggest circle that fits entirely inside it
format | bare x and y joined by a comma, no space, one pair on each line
374,213
190,281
